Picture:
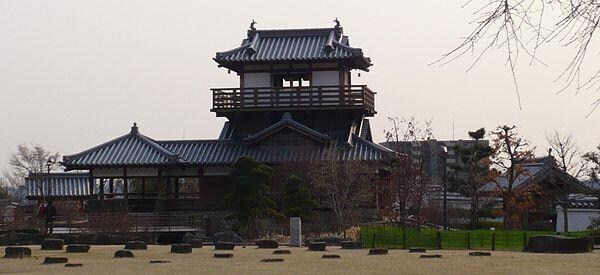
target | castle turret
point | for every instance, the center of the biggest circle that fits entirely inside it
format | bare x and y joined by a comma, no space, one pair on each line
305,72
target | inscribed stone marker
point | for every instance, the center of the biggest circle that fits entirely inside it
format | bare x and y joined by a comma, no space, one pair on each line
295,232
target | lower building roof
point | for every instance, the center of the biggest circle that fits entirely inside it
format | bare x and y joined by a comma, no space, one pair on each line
57,185
135,149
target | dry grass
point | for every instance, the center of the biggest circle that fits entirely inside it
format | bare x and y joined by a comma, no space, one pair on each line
247,261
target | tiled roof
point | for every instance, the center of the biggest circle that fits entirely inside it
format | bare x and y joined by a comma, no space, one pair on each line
130,149
61,185
532,171
225,152
135,149
294,45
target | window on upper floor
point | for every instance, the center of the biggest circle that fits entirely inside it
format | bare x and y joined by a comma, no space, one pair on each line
291,80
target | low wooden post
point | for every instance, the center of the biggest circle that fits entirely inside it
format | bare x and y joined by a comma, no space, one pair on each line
439,239
373,241
403,239
494,241
524,239
469,240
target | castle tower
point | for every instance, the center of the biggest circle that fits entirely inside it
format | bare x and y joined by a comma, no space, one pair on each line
305,72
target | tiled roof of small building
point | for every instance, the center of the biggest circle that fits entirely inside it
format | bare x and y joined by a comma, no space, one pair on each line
294,45
60,185
130,149
532,171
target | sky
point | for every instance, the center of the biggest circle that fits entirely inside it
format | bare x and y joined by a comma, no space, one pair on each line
74,74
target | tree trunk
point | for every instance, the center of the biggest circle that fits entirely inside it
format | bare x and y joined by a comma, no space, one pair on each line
474,210
507,219
565,208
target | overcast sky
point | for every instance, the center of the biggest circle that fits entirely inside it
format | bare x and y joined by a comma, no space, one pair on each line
77,73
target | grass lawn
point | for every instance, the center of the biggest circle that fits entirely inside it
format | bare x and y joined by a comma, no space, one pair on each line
247,261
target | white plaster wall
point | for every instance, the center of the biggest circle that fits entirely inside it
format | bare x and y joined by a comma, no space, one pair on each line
216,171
253,80
141,172
325,78
579,219
107,172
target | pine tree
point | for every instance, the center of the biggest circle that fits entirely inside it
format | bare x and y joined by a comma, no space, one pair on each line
471,172
249,197
297,201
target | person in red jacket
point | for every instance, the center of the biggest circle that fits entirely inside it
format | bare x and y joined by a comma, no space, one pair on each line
41,214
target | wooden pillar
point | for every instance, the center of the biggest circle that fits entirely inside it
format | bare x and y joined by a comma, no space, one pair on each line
101,188
91,183
177,188
111,187
125,185
143,188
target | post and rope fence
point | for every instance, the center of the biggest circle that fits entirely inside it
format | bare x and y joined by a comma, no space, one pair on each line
398,238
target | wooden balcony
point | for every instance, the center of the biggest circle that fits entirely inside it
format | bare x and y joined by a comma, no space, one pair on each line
355,97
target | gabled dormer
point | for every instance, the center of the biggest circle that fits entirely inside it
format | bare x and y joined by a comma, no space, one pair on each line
289,134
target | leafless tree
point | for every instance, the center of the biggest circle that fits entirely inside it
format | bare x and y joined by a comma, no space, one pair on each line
29,160
342,186
509,153
570,160
408,174
594,170
568,155
523,26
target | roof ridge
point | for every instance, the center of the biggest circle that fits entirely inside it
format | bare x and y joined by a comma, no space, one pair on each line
373,144
134,133
287,119
171,141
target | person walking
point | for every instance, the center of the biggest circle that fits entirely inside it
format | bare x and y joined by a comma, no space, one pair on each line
50,212
41,214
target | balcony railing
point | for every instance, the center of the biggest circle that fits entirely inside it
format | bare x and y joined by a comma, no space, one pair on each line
290,98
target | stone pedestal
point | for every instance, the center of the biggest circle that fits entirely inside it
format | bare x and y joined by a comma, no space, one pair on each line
295,232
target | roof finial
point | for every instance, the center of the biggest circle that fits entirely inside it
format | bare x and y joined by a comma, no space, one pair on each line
337,23
549,152
286,115
134,128
252,28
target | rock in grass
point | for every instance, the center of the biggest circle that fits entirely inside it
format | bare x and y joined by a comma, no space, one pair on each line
282,252
378,251
136,245
224,246
351,245
272,260
159,262
432,256
17,252
267,244
55,260
317,246
331,256
223,255
479,253
73,265
78,248
196,243
559,244
416,250
123,254
183,248
52,244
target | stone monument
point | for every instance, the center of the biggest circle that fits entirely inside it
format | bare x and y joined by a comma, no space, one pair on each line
295,232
